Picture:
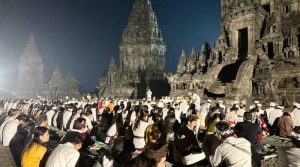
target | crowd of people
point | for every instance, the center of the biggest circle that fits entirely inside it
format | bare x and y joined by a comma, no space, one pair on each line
145,133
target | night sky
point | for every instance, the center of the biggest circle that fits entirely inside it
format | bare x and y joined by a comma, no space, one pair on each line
82,35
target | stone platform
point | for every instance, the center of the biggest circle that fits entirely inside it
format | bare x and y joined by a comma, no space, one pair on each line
6,159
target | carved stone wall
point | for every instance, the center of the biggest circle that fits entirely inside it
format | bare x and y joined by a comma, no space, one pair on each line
259,41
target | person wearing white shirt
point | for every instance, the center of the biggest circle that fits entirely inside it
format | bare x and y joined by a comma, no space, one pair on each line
296,115
66,116
10,129
138,130
275,114
235,152
50,114
13,115
66,155
270,109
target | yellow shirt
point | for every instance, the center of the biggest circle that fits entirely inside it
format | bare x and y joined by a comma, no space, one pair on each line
110,106
33,156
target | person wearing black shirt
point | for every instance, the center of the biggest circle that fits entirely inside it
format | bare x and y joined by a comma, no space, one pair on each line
186,148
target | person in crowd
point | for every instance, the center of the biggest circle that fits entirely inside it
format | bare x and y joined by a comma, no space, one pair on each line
275,114
13,115
16,144
158,153
186,148
67,115
42,121
153,132
296,115
10,129
241,111
168,126
80,127
289,155
283,125
88,118
50,114
138,130
65,155
143,160
270,110
211,129
234,152
35,150
114,156
258,119
249,130
231,116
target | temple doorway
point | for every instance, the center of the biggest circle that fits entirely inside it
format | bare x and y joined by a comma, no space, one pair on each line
243,43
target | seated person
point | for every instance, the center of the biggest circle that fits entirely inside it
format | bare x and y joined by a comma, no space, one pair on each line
80,126
112,157
234,152
249,130
186,148
66,154
289,155
151,157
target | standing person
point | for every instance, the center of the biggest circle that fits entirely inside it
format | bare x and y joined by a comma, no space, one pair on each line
235,152
35,150
241,111
138,130
66,155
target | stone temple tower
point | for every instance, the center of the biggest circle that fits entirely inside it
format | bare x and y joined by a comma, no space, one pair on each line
142,57
31,69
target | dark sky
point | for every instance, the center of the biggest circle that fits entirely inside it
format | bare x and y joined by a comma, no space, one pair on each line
82,35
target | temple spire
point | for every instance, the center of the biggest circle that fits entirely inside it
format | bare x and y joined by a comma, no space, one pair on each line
31,68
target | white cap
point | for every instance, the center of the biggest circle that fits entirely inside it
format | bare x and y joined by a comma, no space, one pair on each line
256,102
160,104
272,104
280,107
208,100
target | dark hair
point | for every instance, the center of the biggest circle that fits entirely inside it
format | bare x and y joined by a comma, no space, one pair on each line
142,115
29,126
143,160
37,132
215,116
128,107
247,116
41,119
223,129
72,137
171,113
286,114
88,112
23,117
254,110
116,108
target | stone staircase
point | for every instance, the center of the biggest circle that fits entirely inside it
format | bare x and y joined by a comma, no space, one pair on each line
217,88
